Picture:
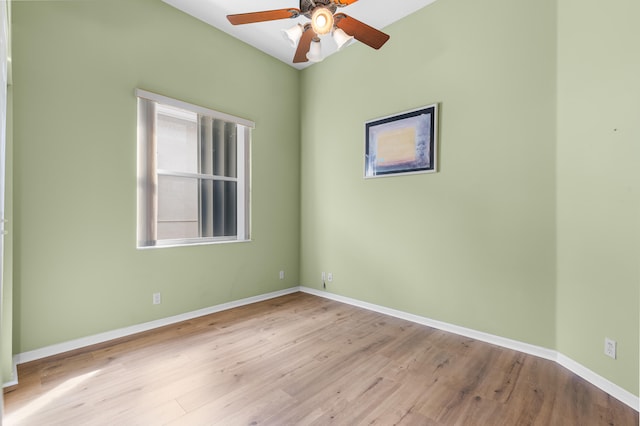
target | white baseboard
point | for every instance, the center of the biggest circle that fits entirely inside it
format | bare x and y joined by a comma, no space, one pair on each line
461,331
127,331
595,379
611,388
14,375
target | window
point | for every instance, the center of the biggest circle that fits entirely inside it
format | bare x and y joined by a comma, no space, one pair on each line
193,173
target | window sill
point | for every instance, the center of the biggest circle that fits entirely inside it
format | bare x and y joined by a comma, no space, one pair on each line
190,244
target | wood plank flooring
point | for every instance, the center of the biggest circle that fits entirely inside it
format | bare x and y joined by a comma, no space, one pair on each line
304,360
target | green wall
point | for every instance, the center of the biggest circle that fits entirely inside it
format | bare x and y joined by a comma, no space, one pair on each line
522,233
599,185
530,229
75,67
472,245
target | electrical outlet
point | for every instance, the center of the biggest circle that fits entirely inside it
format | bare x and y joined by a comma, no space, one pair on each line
157,299
610,347
282,275
330,276
324,277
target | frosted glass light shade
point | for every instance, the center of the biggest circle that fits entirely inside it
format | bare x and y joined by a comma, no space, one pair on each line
293,34
341,38
315,51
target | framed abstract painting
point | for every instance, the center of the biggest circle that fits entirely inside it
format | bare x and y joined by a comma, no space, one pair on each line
404,143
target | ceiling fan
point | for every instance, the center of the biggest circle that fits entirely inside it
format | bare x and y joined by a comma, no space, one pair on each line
324,20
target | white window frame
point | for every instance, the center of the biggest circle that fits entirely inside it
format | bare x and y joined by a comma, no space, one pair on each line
148,172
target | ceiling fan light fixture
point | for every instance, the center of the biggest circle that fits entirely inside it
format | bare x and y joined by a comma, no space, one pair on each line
341,38
315,52
293,34
322,20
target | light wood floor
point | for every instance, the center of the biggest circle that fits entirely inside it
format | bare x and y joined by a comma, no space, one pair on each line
301,359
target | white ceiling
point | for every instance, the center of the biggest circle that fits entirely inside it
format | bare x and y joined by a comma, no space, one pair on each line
267,37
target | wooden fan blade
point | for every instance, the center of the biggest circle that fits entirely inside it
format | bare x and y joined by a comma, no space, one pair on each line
361,31
344,2
266,15
303,45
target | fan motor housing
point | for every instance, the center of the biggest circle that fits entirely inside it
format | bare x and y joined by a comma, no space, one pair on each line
307,6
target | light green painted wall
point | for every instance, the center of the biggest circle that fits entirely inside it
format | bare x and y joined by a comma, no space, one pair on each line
76,65
473,245
599,185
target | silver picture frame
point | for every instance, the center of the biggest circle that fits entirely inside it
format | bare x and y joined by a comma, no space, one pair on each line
403,143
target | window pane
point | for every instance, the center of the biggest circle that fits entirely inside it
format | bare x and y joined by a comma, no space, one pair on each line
219,208
218,150
177,208
177,136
